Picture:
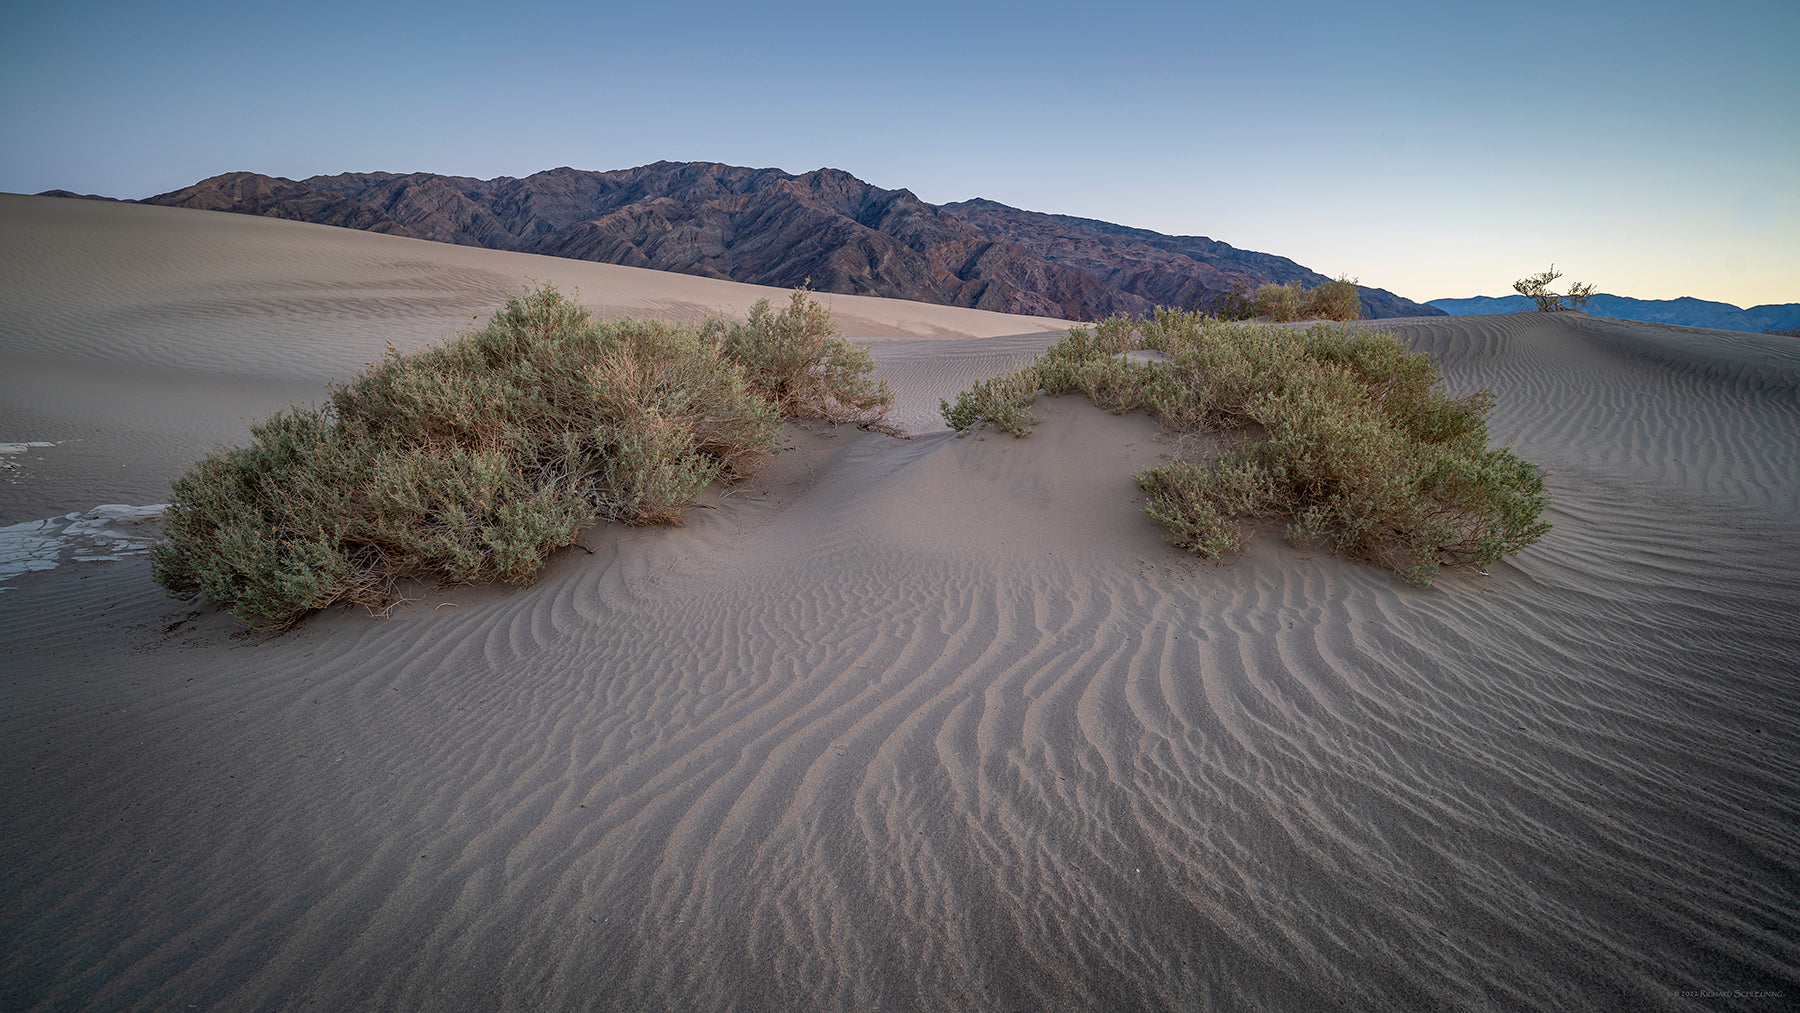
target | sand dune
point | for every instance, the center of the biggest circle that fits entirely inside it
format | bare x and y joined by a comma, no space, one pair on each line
171,327
924,724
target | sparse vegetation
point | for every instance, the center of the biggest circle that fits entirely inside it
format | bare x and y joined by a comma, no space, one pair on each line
1334,300
1341,431
472,461
1239,303
1537,289
1786,332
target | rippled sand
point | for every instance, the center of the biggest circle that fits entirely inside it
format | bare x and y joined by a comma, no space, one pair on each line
929,724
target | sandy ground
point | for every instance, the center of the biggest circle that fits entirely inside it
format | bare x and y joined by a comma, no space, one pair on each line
924,724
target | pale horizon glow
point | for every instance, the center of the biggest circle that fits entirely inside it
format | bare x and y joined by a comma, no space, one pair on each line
1649,148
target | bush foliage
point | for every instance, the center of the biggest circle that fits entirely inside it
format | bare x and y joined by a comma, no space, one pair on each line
1360,446
796,359
472,461
1334,300
1537,289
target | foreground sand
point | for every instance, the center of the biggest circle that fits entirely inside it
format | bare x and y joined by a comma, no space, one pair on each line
929,724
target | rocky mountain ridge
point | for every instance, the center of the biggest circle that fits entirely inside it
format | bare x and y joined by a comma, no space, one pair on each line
769,227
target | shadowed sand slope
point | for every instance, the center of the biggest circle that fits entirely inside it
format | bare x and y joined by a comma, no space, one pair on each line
944,724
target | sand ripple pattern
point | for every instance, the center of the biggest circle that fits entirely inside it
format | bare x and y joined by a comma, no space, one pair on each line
1666,409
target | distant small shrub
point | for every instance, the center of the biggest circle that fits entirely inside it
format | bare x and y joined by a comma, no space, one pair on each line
1237,303
1334,300
1786,332
1359,444
1537,289
1280,303
472,461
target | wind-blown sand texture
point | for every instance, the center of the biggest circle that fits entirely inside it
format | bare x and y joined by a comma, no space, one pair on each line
930,724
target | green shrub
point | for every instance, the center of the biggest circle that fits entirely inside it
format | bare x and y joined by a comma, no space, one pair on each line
1286,303
1001,402
1334,300
472,461
797,360
1201,506
1280,303
1359,444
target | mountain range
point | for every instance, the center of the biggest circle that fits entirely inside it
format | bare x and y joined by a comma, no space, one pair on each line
824,228
1686,311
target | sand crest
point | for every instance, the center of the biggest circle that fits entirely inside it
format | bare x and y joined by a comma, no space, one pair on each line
928,723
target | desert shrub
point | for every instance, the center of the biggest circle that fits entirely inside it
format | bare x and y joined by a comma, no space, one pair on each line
1280,303
1334,300
1392,473
1169,331
473,460
1110,382
1236,303
1537,289
258,529
1002,403
797,360
1786,332
1358,444
1083,360
1201,506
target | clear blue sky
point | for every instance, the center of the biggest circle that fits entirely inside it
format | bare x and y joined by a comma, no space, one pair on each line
1435,149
